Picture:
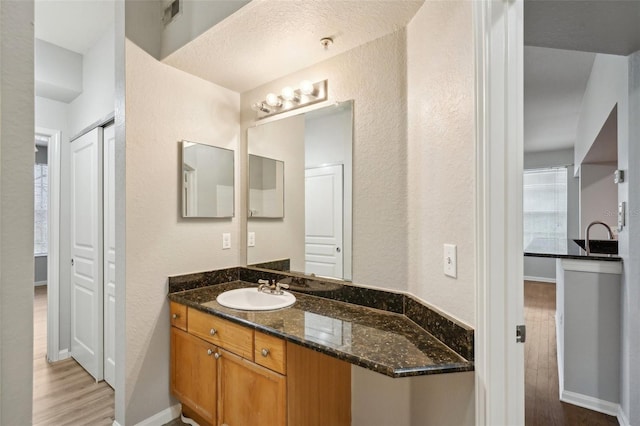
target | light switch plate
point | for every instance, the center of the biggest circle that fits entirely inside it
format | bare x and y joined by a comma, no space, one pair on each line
251,239
450,260
226,241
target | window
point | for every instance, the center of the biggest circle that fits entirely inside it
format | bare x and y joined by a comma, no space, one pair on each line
545,204
41,193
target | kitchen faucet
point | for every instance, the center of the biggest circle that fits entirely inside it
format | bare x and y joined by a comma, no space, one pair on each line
586,237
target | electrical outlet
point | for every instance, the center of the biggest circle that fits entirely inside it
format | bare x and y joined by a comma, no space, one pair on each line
450,260
226,241
251,239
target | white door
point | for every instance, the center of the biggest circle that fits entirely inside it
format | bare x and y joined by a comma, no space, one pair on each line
323,221
109,257
86,252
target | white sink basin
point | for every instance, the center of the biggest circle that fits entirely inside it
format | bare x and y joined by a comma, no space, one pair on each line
250,299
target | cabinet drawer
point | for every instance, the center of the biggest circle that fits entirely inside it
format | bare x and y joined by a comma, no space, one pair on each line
179,316
233,337
270,352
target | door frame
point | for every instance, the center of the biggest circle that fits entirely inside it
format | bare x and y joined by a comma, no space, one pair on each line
499,361
53,251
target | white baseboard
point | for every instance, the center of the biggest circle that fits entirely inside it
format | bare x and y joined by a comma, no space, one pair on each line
64,354
39,283
622,418
590,403
541,279
115,423
164,416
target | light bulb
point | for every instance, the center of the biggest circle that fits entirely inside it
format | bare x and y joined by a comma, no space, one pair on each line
288,94
306,87
273,100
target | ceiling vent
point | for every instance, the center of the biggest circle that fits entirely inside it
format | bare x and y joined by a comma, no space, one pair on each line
171,11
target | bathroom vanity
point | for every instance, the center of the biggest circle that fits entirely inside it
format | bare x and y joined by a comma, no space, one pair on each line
588,308
293,365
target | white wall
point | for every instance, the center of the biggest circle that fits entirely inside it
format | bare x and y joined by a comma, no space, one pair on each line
98,85
441,152
598,199
374,76
16,213
441,188
607,86
58,72
159,242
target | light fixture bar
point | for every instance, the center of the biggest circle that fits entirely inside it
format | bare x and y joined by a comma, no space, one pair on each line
291,99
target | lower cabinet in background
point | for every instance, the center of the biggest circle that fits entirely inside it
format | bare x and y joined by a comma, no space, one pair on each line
222,388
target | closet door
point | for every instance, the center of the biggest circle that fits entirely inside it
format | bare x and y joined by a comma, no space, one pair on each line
86,253
109,257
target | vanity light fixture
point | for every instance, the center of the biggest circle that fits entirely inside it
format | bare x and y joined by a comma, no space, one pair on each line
289,99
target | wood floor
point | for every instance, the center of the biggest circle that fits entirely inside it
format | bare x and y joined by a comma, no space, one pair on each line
542,403
63,393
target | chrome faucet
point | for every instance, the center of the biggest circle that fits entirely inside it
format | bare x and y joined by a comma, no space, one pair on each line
586,237
273,286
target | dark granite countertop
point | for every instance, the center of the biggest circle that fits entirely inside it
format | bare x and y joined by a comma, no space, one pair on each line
564,249
382,341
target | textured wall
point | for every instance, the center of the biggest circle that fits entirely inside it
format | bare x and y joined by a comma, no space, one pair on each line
374,76
159,242
16,211
441,155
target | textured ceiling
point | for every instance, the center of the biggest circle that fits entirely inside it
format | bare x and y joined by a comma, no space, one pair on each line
72,24
554,85
268,39
600,26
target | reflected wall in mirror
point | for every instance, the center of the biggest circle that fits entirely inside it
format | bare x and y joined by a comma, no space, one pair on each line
314,234
207,181
266,187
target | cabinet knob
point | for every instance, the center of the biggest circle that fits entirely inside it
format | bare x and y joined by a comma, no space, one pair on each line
175,316
213,331
209,352
265,352
217,355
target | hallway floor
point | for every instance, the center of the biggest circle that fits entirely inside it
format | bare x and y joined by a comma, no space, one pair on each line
542,402
63,393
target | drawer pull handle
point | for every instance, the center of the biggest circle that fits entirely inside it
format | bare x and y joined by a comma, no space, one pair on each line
217,355
265,352
213,331
209,352
175,316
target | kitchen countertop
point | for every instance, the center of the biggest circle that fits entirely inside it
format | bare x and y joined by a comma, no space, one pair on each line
564,249
382,341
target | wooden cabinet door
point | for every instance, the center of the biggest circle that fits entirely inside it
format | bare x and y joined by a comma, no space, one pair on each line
250,395
194,373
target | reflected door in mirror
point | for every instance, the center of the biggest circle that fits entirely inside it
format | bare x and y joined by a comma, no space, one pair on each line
207,181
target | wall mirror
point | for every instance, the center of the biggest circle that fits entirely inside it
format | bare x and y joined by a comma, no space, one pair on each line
266,187
313,234
207,181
